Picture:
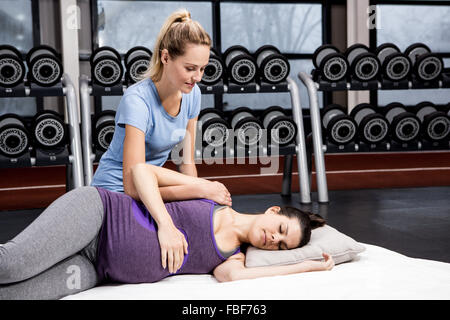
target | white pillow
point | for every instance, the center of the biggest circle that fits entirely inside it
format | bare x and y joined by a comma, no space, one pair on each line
323,239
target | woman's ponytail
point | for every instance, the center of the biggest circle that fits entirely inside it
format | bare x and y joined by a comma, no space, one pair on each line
316,220
177,31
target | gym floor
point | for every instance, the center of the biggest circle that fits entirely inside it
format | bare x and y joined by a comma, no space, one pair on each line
412,221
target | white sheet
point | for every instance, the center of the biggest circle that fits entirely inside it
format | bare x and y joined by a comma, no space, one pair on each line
377,273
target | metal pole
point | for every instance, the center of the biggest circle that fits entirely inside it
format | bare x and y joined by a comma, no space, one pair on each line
74,126
86,129
316,128
302,164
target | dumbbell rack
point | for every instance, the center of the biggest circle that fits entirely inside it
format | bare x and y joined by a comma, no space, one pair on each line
288,151
61,155
319,148
88,89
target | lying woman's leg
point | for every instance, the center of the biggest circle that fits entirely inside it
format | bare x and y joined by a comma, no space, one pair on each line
67,226
67,277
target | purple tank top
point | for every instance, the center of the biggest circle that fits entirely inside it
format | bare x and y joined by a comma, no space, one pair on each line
128,247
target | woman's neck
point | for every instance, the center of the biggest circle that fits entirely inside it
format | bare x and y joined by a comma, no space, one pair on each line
166,91
238,225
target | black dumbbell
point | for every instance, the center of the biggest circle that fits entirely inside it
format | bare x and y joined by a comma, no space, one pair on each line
247,128
273,67
106,66
12,68
332,65
214,70
427,66
241,66
137,61
281,129
373,128
14,136
49,130
44,66
214,128
339,128
364,65
435,124
404,126
104,126
395,65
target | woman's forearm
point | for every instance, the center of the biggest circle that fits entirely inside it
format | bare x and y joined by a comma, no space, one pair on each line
189,169
147,189
181,192
258,272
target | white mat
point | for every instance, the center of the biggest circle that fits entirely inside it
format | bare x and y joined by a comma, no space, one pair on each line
378,273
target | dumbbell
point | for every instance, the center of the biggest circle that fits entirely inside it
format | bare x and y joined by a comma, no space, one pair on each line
12,68
214,70
273,67
435,124
404,126
214,129
339,127
106,66
281,129
332,65
395,65
137,61
49,130
373,128
247,128
364,65
427,66
241,66
14,136
104,126
44,66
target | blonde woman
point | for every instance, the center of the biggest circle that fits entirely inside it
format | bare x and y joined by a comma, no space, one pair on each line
156,114
161,111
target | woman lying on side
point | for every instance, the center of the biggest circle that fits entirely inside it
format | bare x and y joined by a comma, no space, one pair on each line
91,236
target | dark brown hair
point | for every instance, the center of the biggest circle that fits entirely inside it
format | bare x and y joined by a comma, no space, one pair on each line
308,221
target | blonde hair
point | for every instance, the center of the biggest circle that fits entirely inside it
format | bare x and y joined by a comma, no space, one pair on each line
177,31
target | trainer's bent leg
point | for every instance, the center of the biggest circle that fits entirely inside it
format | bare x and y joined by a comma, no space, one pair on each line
70,276
67,226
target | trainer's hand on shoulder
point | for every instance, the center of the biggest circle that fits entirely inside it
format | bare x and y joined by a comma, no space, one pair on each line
217,192
173,247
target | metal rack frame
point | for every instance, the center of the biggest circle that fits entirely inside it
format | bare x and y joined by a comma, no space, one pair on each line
313,87
67,89
87,90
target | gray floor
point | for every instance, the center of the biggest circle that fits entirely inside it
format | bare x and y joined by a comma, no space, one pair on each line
413,221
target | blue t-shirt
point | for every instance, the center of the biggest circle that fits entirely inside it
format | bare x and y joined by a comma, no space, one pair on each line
141,107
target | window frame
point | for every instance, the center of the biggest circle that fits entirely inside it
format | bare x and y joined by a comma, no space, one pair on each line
217,39
373,31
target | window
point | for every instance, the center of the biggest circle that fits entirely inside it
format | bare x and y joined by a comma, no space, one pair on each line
125,24
405,24
294,28
17,30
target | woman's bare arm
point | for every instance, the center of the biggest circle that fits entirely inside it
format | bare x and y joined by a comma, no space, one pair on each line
181,189
188,164
234,268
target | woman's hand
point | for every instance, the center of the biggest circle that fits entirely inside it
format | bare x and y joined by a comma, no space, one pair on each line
216,191
328,264
173,247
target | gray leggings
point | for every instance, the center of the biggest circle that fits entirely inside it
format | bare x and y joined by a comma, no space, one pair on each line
55,255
